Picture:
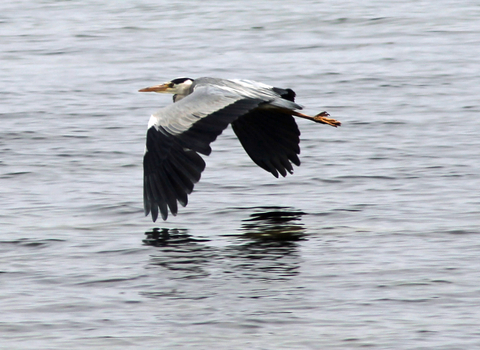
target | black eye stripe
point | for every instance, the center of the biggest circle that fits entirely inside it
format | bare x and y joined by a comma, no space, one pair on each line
180,80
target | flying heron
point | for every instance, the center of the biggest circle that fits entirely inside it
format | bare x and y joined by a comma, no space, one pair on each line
261,117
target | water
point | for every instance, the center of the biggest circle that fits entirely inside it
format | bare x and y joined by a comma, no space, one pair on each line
373,242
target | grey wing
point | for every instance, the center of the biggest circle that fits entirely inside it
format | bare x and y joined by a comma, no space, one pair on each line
278,97
176,133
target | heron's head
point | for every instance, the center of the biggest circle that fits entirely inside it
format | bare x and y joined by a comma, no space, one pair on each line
179,86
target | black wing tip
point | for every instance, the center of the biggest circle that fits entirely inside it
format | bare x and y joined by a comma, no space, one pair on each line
287,94
170,172
164,216
154,215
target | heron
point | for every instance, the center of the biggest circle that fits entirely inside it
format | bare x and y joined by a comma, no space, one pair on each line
261,116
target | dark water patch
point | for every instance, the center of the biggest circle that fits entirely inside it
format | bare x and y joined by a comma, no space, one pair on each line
348,209
88,36
422,284
328,181
175,294
462,232
109,280
131,28
113,127
15,174
413,284
121,251
424,331
442,281
58,52
393,122
419,300
358,122
340,20
73,136
376,19
373,177
29,242
309,47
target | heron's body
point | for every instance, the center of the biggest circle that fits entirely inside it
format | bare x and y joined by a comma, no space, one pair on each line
261,117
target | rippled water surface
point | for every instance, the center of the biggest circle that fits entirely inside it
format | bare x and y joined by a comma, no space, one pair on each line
373,242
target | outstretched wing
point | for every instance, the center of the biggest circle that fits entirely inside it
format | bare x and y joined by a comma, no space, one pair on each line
170,171
176,133
270,138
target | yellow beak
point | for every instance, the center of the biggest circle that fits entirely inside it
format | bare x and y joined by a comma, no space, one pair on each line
155,88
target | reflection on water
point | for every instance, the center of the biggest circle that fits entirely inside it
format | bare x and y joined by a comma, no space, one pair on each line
267,248
274,224
180,253
163,237
272,260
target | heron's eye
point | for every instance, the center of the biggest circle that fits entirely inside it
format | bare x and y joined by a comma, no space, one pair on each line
171,85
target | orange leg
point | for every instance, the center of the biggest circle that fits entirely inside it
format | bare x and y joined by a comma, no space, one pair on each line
319,118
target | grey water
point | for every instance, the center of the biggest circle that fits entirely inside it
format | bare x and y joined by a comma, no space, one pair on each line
373,242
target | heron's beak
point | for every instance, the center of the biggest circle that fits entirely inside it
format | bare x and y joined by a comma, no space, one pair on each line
156,88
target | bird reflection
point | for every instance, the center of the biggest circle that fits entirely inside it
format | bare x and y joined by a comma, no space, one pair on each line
181,253
274,224
266,249
268,245
163,237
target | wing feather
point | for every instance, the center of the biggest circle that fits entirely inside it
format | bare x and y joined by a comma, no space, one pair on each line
172,164
170,172
270,138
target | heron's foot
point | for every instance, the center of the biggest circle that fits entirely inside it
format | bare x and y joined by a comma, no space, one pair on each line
323,118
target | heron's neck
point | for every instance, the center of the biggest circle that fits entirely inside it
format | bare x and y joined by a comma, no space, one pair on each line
178,97
183,90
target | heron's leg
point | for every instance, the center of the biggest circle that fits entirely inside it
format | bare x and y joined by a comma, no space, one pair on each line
319,118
